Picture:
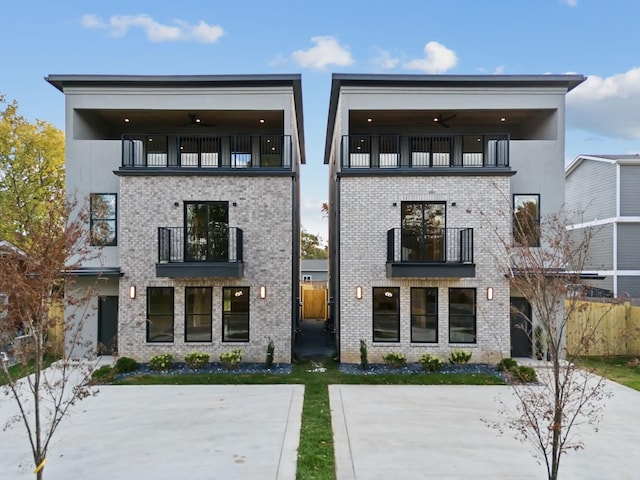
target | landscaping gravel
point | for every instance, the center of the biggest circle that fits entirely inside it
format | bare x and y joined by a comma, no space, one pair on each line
182,369
416,368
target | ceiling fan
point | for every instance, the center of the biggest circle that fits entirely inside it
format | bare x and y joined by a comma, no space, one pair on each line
194,119
443,120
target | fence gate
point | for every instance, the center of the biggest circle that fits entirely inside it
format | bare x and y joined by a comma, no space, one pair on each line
314,303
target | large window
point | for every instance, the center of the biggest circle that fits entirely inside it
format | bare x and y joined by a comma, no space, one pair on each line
198,314
423,228
235,314
160,314
526,220
103,219
424,315
207,231
462,315
386,314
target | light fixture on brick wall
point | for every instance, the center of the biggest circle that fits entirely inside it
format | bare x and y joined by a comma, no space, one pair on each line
263,292
132,292
490,293
359,293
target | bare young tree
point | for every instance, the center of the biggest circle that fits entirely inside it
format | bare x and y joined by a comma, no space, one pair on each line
32,279
544,261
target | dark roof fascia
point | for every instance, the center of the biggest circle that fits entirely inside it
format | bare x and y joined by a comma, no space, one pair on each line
338,80
95,272
62,81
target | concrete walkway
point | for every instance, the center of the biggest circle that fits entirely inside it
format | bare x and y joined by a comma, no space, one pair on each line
199,432
417,432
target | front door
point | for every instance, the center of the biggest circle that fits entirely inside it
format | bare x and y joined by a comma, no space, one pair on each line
520,328
107,325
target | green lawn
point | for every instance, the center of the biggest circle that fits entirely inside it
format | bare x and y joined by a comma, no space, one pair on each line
315,451
21,370
621,369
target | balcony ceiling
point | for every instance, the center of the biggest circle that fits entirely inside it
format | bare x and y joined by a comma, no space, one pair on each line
453,118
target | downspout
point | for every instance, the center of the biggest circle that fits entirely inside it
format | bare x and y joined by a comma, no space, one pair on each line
295,264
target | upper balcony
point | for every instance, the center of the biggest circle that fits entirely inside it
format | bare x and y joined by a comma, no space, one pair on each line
430,253
215,252
207,153
439,152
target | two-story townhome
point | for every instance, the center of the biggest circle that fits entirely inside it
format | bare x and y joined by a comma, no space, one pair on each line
193,188
602,194
426,174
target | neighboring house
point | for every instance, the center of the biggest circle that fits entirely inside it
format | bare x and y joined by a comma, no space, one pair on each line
602,194
193,189
315,270
423,169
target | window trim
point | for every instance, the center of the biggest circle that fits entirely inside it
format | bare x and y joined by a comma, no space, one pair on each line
92,219
373,314
475,315
186,314
513,223
173,315
437,314
224,313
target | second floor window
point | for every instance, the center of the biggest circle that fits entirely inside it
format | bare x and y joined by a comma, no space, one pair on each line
526,220
103,211
423,231
206,231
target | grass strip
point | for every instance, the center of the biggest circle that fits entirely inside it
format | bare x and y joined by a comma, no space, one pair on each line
621,369
20,370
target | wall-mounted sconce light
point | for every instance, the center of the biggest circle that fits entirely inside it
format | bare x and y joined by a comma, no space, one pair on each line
263,292
359,293
394,204
176,204
132,291
490,293
235,204
453,204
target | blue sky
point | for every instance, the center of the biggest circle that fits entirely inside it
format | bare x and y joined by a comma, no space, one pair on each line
596,38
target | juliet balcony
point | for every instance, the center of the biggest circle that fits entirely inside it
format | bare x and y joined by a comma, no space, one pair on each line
192,253
430,253
232,152
424,152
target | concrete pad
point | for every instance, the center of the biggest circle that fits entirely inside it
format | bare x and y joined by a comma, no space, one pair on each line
164,432
417,432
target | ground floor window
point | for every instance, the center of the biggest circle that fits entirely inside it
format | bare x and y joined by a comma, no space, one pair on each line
462,315
235,314
160,314
198,314
424,315
386,314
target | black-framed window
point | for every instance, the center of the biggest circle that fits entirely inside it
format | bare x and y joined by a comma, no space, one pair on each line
160,314
462,315
206,231
197,325
103,219
424,315
386,314
526,219
423,231
235,314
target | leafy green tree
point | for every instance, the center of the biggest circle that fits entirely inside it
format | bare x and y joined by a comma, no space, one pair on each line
311,246
31,173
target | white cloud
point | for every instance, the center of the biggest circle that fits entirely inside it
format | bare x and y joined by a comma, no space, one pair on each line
571,3
438,59
119,25
607,106
327,51
384,60
499,70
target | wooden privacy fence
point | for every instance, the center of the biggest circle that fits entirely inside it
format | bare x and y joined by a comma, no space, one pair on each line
314,302
615,329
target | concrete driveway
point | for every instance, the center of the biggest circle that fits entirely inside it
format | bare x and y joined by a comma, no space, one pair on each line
418,432
199,432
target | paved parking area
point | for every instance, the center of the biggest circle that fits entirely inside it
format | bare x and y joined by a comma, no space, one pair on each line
199,432
418,432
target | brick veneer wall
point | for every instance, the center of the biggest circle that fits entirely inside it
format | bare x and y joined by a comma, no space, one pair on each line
262,211
367,212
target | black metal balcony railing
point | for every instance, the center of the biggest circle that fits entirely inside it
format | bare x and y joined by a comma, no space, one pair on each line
207,152
404,151
436,245
221,246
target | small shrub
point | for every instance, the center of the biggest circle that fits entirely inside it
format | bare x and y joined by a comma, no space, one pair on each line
395,360
196,360
507,364
364,361
231,359
459,357
104,374
270,352
161,362
125,365
524,374
431,363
